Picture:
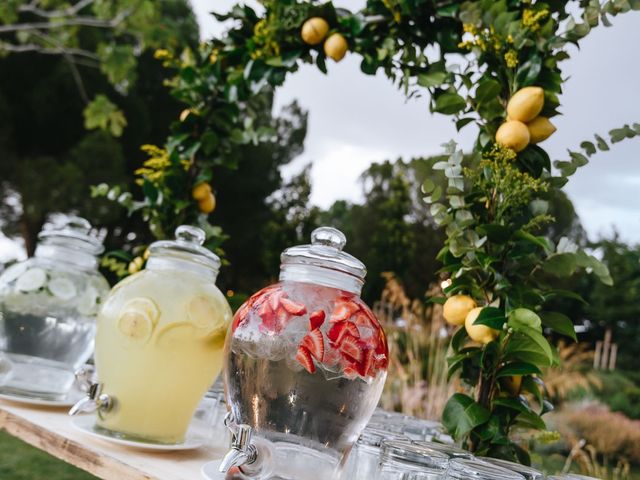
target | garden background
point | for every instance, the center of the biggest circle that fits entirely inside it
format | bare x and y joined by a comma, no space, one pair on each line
371,151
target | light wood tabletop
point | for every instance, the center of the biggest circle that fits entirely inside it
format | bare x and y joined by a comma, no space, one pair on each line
51,430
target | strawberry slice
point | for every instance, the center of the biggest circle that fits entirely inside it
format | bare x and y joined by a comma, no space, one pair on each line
304,357
343,309
368,363
314,342
274,299
363,320
352,348
316,319
292,307
337,333
350,372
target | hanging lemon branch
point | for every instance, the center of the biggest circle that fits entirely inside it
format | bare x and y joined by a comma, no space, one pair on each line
495,203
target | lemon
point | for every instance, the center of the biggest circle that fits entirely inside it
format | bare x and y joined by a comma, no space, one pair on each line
135,326
479,333
314,30
336,47
540,128
201,191
456,309
526,104
207,205
514,135
145,306
512,384
204,315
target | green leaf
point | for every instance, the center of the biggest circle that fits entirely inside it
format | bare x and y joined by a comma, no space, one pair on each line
512,404
495,233
560,323
488,90
449,103
529,384
459,338
530,420
518,368
540,341
528,72
523,317
491,317
588,147
602,145
578,159
210,141
461,415
432,79
561,264
103,114
522,347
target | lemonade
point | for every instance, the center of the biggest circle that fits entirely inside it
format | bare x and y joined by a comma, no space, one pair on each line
159,343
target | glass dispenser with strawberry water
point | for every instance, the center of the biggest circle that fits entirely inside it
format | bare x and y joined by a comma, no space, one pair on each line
305,365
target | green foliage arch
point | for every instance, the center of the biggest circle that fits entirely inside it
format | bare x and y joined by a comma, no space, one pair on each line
470,58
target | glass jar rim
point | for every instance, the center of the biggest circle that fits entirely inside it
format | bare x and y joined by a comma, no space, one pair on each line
409,452
468,469
73,232
187,246
452,451
529,473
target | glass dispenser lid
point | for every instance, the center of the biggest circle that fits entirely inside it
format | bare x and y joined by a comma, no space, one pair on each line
188,245
325,252
72,232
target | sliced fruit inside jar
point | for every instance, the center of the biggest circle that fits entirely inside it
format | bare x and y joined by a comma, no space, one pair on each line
88,302
176,334
135,326
144,306
13,272
205,315
62,288
32,279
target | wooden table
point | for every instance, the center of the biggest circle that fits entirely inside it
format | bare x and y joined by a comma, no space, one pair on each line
51,430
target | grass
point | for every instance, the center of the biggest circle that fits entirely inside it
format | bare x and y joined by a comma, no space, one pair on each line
20,461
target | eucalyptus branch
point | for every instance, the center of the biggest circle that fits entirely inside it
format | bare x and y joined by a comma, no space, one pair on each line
67,12
70,22
32,47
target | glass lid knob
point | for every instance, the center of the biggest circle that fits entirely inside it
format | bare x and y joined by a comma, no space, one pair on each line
190,234
328,237
78,224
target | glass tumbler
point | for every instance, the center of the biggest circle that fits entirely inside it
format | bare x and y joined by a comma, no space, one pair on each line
399,458
473,469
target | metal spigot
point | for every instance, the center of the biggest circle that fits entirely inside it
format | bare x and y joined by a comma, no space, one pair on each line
94,401
243,451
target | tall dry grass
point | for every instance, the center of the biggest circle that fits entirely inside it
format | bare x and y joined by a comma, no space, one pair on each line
418,341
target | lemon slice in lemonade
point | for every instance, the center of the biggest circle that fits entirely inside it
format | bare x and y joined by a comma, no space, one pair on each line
62,288
206,316
32,279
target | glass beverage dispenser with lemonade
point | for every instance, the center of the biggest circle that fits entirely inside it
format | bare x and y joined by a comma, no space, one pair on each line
48,307
159,343
305,365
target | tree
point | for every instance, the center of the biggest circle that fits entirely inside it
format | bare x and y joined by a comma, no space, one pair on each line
255,209
105,35
48,160
616,307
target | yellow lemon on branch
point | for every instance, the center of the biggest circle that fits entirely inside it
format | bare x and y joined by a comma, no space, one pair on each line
479,333
513,134
457,307
526,104
314,30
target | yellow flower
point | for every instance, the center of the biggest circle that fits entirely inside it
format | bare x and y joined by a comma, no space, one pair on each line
511,58
510,38
532,19
162,54
469,28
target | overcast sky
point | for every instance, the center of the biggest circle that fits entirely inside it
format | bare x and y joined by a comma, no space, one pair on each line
355,119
